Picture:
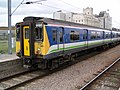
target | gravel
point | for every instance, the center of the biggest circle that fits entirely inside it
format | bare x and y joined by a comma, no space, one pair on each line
74,76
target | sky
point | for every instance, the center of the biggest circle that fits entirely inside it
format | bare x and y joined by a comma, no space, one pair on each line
45,8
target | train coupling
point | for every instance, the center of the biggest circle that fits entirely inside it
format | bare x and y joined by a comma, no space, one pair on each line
27,66
26,63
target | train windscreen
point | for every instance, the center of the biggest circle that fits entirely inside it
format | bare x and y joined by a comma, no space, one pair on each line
17,32
38,32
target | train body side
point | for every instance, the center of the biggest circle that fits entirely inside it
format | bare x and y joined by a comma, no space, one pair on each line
68,46
55,45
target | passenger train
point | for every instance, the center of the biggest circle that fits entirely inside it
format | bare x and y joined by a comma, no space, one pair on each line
44,42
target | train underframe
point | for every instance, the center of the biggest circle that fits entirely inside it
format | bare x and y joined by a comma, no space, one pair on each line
35,63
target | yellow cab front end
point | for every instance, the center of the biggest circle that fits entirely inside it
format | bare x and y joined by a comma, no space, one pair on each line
33,44
17,33
42,45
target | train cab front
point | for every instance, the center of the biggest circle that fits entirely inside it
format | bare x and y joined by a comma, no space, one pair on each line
31,42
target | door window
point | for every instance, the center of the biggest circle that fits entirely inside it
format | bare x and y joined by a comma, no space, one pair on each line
17,32
26,33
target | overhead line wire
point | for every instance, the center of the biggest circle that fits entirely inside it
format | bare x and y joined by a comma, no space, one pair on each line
37,2
69,4
53,7
17,7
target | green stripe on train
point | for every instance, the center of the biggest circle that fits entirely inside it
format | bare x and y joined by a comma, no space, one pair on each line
78,46
67,48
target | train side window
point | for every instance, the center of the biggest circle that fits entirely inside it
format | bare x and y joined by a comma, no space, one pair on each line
107,35
93,35
38,33
74,35
98,35
103,36
61,33
84,35
113,35
54,35
118,35
17,33
61,37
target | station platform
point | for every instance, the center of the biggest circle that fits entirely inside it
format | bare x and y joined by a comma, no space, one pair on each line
7,57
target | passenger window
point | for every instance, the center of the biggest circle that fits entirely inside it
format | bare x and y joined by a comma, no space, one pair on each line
107,35
54,35
118,34
17,32
74,35
93,35
38,33
98,35
85,35
61,37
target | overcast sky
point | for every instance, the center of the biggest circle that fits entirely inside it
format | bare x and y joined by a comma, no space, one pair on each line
46,9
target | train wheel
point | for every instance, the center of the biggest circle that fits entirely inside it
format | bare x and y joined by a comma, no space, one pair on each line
52,64
72,58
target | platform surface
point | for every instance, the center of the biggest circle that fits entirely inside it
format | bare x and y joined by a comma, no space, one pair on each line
7,57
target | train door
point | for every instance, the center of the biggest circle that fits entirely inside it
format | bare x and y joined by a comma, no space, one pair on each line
26,40
60,39
85,37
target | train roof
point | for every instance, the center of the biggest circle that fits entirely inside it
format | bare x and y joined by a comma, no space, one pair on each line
54,21
49,21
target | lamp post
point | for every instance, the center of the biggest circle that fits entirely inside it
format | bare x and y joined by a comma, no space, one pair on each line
9,28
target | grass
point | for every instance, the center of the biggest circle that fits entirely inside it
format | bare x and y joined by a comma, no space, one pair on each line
4,47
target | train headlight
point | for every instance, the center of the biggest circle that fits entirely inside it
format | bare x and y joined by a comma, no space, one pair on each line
18,53
38,51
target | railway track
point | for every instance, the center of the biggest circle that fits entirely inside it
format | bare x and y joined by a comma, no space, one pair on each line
108,79
16,80
21,79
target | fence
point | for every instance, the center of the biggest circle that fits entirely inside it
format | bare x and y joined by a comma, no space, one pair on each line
4,41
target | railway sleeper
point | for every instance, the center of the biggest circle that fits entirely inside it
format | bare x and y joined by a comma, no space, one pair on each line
98,86
115,70
111,86
109,79
105,83
113,73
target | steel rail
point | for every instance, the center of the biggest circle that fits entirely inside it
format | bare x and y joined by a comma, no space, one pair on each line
90,82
